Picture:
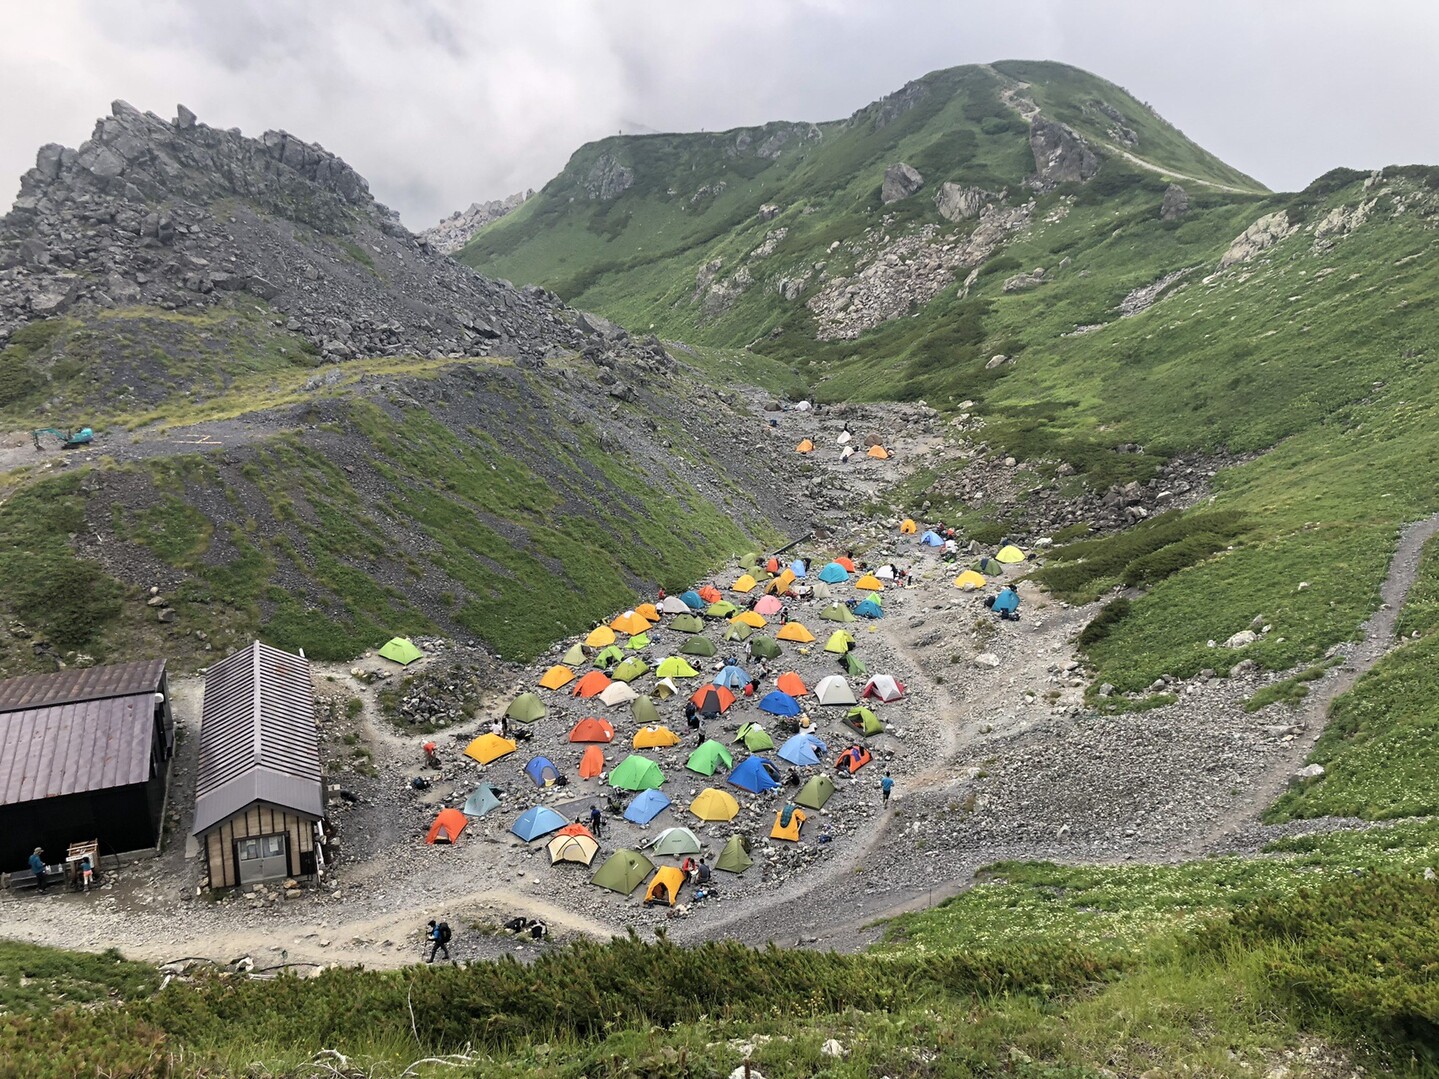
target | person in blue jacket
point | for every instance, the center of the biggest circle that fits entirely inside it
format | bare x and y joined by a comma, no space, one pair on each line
37,866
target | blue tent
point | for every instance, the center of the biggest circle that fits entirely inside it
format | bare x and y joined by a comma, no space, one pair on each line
691,599
798,568
833,573
755,774
646,806
542,771
868,609
779,703
931,539
1008,600
802,749
481,801
537,821
732,677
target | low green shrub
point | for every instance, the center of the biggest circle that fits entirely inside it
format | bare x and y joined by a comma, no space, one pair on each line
1110,615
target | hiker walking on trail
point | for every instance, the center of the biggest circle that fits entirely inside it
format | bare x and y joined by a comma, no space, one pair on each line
439,935
37,866
596,821
886,786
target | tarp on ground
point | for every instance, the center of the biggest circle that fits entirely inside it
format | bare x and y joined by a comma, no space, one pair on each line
638,641
400,650
714,804
688,623
754,737
795,632
591,685
816,792
482,800
542,771
735,856
673,842
864,721
656,737
448,825
779,703
489,747
557,677
591,729
537,821
572,848
617,693
623,871
707,757
526,708
636,773
754,774
883,686
832,689
788,820
665,885
646,806
699,646
803,749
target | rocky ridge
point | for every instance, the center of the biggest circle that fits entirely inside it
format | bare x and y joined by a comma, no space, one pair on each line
459,228
176,214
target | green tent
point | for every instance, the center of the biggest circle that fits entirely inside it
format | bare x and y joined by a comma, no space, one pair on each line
840,642
754,737
636,773
638,641
738,631
735,856
676,841
400,650
853,664
764,647
688,623
608,656
863,720
720,609
674,667
630,669
574,657
699,646
749,560
645,712
709,756
837,612
526,708
623,871
815,793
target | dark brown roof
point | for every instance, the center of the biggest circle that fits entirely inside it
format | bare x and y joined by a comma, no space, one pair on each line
75,747
90,684
257,737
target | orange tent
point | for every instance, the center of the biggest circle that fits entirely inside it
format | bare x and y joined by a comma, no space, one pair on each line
793,631
648,611
870,583
557,676
750,618
791,683
591,685
726,698
592,762
805,446
710,594
844,560
772,565
449,823
575,829
591,729
879,453
630,622
654,737
788,831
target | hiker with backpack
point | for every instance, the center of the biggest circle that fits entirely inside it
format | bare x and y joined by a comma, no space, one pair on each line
439,935
886,786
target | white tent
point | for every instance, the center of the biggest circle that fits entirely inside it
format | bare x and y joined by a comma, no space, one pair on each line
833,689
618,693
843,437
884,687
885,572
673,605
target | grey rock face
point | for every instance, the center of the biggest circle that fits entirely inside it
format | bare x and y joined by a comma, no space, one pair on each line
1175,204
1060,155
956,202
608,179
460,227
900,182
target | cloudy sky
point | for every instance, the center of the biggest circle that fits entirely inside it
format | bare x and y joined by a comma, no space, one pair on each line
443,102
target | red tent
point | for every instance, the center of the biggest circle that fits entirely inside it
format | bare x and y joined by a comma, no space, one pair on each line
592,684
712,700
449,823
591,729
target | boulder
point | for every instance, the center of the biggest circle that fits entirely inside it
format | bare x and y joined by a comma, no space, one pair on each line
1060,155
608,178
1260,236
184,118
900,182
956,202
1175,204
1241,639
1307,774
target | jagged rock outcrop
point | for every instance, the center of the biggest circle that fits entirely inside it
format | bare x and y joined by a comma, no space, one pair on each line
1260,236
1175,204
176,214
459,228
900,182
1118,128
1061,156
608,178
956,202
1024,281
1341,221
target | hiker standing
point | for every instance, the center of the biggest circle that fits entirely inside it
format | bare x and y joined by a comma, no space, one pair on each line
886,786
439,935
596,820
37,866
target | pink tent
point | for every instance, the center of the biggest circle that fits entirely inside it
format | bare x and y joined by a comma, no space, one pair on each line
767,606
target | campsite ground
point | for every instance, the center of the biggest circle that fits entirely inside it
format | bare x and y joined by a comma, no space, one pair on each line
993,753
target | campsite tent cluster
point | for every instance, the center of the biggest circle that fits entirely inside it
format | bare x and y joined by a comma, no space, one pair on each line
698,688
847,446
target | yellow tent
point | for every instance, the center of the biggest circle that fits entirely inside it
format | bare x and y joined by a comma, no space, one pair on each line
489,747
557,676
781,584
600,636
746,583
1009,554
839,642
788,831
794,631
631,622
665,884
969,580
649,612
879,453
870,583
805,446
907,527
750,618
655,737
714,804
